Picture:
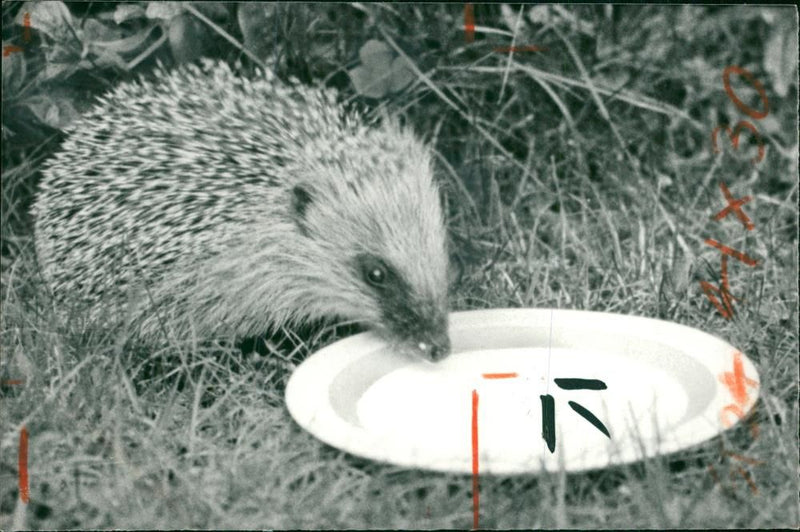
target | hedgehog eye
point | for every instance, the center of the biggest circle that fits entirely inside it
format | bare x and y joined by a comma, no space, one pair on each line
376,275
375,271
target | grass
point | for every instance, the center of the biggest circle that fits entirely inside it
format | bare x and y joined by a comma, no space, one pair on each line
561,192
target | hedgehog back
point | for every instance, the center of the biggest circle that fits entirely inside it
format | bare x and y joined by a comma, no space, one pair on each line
169,171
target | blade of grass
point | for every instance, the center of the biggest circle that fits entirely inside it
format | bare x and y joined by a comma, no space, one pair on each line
637,100
429,82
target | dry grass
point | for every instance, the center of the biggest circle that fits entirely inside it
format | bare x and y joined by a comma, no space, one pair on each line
561,193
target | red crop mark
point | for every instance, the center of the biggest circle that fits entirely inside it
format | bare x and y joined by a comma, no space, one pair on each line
526,48
748,478
475,493
737,381
24,491
713,473
469,22
755,430
734,138
750,261
734,206
499,375
735,409
751,461
12,382
724,292
744,473
475,460
749,111
10,49
26,23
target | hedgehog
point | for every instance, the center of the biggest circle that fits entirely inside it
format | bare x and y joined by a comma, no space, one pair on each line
198,201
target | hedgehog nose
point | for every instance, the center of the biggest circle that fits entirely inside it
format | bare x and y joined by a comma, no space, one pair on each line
435,350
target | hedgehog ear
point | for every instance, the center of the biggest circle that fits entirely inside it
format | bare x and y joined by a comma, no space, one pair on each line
301,199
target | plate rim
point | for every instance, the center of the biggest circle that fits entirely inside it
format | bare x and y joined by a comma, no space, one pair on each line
312,372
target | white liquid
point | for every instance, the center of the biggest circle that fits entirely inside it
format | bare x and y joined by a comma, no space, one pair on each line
429,407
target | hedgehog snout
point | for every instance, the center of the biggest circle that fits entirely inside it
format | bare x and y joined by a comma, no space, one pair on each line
434,348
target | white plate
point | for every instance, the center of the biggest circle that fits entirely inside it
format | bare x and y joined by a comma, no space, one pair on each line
666,390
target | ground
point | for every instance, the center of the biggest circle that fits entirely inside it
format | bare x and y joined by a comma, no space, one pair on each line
580,175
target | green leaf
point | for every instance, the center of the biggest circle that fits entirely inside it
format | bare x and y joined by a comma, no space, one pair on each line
61,61
125,12
15,69
163,10
94,31
375,54
366,83
53,70
104,59
50,17
54,112
380,72
127,44
780,52
401,75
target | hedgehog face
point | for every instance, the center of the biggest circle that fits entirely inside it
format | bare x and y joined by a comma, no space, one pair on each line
372,213
414,325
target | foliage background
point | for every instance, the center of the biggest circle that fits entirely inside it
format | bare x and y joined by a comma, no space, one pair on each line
580,176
